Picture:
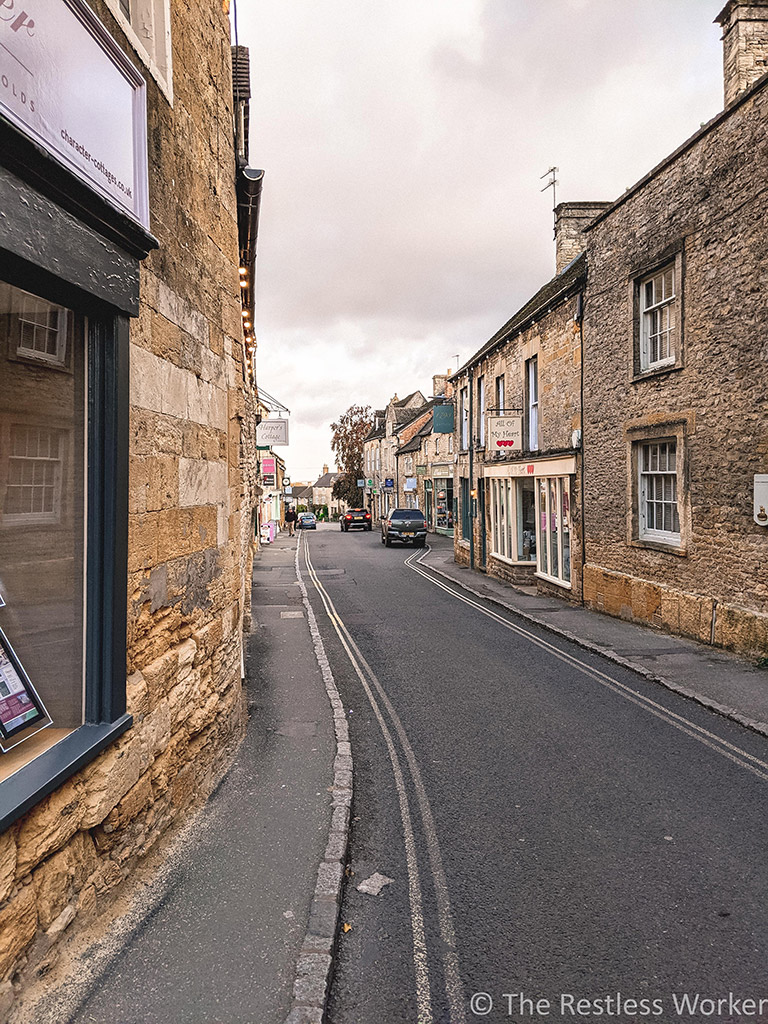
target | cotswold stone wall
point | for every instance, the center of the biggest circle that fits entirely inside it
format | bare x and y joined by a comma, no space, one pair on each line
705,207
190,525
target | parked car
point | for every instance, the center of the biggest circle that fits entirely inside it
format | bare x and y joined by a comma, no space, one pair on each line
354,518
306,521
406,525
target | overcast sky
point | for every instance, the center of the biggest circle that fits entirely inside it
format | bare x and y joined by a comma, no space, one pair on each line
403,142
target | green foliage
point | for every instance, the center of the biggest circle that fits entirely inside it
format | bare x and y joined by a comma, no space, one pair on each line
347,439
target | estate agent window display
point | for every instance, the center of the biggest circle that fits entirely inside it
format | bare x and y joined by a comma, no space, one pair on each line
63,449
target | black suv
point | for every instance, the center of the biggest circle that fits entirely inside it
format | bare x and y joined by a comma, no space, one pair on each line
355,517
404,524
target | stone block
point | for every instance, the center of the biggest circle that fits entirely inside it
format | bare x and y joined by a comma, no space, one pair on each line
59,877
18,925
108,779
48,827
7,862
202,482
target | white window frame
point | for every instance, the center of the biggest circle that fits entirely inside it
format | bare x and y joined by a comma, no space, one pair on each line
544,543
25,316
506,524
532,392
500,396
464,419
659,318
35,518
149,32
654,481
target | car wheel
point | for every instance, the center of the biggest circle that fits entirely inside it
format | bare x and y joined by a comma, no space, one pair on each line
369,528
382,539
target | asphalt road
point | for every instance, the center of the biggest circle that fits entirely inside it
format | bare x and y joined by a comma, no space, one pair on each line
555,828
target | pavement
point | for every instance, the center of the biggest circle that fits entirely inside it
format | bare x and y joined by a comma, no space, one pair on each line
242,927
239,924
723,682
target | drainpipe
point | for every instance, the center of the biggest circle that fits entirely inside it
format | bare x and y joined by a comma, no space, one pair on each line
471,440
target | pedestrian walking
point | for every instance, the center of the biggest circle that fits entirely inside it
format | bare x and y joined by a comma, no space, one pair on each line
290,520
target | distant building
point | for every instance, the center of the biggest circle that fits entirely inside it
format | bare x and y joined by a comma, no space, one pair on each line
322,493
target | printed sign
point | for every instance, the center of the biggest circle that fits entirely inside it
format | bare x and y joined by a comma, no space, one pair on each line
389,482
272,432
66,83
20,706
268,465
505,433
410,483
760,511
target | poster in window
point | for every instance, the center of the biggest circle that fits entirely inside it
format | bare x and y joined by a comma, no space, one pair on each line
21,711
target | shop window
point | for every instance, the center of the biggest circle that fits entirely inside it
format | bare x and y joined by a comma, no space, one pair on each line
62,492
554,529
466,517
513,519
444,503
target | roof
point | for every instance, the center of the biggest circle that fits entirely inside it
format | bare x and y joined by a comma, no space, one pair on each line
327,480
379,425
415,443
551,294
407,399
413,414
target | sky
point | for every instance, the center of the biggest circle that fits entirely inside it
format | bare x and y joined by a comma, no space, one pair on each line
402,218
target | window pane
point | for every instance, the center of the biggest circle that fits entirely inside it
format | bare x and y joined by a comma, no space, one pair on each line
542,525
526,504
565,528
554,530
42,500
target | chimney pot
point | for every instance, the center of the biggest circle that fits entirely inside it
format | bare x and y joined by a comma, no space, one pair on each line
570,221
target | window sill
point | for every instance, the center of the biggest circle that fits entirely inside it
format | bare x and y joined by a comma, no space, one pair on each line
553,579
660,545
36,780
659,371
513,561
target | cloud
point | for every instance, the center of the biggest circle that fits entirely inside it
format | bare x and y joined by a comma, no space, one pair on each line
403,143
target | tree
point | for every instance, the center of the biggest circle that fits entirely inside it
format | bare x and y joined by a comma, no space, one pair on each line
347,443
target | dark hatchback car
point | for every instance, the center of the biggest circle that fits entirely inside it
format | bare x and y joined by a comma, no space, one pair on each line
356,518
406,525
306,521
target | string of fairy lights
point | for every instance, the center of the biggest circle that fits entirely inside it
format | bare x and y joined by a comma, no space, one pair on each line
249,338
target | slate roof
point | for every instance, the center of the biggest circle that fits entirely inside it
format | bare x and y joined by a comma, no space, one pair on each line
415,443
326,480
546,298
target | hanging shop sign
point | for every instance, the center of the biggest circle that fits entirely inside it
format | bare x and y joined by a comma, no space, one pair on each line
272,432
442,419
361,483
66,84
505,433
20,707
268,479
268,465
389,482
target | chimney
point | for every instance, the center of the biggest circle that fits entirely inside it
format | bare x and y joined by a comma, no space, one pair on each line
570,221
438,383
745,45
325,469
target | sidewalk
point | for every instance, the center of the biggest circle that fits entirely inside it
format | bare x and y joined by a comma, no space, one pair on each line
724,682
238,925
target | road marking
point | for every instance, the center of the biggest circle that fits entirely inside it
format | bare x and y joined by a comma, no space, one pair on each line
723,747
420,958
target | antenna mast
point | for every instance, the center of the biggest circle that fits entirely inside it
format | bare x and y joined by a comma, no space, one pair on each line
552,183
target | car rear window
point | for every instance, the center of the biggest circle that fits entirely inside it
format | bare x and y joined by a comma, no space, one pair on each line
407,513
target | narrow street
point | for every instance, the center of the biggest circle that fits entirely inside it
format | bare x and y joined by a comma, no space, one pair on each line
554,827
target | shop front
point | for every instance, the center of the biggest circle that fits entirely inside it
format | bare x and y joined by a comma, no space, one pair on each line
529,516
441,520
74,232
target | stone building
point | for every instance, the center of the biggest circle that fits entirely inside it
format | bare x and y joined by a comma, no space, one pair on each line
675,408
322,493
127,435
391,428
518,429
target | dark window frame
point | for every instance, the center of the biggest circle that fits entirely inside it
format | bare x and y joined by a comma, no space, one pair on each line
63,242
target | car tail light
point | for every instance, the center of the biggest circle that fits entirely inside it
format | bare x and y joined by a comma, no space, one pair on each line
367,515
